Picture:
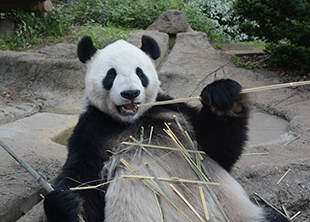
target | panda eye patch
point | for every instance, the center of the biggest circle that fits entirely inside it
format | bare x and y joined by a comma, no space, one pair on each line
111,73
109,79
139,72
142,76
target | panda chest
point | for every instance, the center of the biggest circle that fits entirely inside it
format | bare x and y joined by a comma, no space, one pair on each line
153,133
157,156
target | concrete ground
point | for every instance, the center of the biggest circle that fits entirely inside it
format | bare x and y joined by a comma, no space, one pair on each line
43,97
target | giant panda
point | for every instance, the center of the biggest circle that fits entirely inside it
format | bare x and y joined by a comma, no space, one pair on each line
119,77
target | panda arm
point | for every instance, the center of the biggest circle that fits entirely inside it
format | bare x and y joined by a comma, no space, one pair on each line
221,125
83,165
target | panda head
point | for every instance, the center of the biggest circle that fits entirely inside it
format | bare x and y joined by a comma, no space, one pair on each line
120,76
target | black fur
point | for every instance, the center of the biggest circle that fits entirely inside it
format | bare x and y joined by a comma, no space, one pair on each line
143,77
274,217
107,82
86,49
228,133
66,210
150,47
221,94
222,138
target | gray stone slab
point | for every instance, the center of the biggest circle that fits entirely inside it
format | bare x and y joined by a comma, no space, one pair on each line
161,38
30,138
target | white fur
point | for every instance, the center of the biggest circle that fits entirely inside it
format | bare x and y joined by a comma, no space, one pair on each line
124,58
132,200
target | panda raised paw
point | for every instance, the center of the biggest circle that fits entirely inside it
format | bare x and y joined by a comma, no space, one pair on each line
223,97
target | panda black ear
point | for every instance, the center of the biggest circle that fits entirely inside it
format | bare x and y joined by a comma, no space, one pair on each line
150,47
86,49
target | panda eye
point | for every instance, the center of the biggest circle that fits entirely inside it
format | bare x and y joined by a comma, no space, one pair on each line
142,77
139,72
111,73
109,79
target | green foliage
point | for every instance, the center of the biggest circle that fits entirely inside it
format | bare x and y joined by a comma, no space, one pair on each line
140,14
199,21
290,56
224,18
218,46
247,65
30,30
124,13
103,36
214,17
285,24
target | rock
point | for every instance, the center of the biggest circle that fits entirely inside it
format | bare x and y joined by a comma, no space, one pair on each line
60,50
6,27
171,22
161,38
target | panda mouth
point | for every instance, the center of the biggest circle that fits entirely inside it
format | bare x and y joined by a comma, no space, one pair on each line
128,109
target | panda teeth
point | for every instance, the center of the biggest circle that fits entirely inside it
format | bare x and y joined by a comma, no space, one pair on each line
130,108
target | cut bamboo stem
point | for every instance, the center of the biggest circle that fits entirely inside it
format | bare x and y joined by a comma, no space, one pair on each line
157,161
162,147
269,204
159,183
204,203
255,89
33,173
283,176
171,202
176,179
187,203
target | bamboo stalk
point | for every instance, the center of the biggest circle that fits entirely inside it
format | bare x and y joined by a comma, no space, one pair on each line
297,137
283,176
158,198
187,203
269,204
149,185
285,211
176,179
161,147
32,172
200,174
170,201
157,161
255,89
202,196
295,216
159,183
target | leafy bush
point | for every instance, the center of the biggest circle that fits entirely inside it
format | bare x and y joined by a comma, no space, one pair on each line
214,17
140,14
284,23
224,17
290,56
124,13
30,30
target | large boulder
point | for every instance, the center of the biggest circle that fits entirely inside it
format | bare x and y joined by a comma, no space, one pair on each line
171,22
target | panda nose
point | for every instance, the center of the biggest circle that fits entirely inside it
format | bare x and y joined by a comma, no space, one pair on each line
130,94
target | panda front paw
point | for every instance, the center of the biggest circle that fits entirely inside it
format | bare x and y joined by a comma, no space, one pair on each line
61,205
222,96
